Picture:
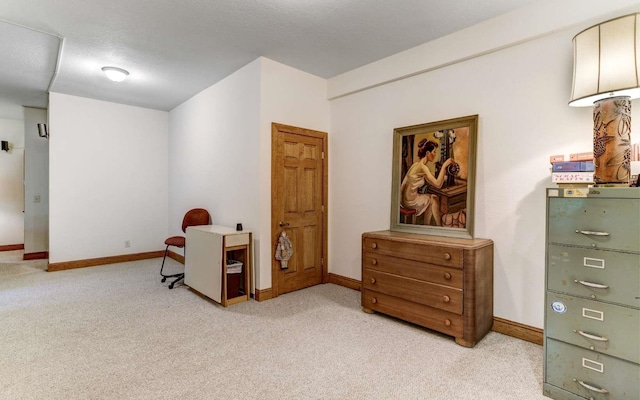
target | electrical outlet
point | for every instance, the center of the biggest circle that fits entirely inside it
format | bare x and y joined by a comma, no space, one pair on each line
127,243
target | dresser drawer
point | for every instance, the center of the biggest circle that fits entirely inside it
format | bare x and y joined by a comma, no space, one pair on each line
420,279
432,318
596,274
568,366
603,327
417,291
414,269
595,222
447,256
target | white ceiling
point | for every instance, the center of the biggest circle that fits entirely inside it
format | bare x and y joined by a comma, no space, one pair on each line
174,49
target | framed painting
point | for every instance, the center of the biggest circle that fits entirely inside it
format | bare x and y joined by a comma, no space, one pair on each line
433,180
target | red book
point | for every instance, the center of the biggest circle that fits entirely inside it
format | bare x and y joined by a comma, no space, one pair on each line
556,159
581,156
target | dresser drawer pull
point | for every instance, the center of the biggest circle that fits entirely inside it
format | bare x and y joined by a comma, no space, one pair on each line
593,388
593,233
447,322
447,276
446,299
373,280
592,285
374,245
374,300
447,256
374,262
590,336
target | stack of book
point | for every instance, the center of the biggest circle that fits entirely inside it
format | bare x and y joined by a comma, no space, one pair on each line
576,172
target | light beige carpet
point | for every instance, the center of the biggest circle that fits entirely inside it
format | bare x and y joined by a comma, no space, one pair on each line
116,332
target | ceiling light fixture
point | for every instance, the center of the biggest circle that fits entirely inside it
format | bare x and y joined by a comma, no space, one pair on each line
115,74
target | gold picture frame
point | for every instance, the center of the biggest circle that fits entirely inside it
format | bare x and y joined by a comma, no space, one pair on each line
433,182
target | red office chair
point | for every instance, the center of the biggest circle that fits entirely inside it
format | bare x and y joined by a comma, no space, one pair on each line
196,216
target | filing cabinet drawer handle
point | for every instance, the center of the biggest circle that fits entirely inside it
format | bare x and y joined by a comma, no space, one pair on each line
593,337
592,285
593,233
593,388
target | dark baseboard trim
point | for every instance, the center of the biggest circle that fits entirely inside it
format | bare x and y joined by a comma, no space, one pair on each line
500,325
103,260
41,255
344,281
518,330
264,294
11,247
175,256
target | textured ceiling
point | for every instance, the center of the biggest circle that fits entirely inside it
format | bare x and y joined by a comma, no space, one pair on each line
174,49
28,63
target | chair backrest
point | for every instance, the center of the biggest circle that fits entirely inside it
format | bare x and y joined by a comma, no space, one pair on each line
196,216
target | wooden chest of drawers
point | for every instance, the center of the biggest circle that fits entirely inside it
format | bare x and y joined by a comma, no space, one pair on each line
444,284
592,313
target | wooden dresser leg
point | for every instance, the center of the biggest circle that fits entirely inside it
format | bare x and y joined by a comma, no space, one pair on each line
464,343
368,310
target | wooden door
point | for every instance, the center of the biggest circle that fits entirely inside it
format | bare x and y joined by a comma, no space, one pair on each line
298,206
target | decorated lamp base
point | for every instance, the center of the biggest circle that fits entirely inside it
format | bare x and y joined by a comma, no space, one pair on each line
612,140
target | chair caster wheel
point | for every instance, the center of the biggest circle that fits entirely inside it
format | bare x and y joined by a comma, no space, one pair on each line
164,279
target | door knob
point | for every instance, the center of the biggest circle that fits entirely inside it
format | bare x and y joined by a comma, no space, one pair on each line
283,224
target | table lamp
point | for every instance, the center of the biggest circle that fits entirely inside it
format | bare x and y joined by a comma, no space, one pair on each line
606,75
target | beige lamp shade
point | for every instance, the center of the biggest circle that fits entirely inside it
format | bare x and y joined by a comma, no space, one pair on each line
606,61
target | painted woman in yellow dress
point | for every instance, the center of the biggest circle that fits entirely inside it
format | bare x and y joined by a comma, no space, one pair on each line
427,204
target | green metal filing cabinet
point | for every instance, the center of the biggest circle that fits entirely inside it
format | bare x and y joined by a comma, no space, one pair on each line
592,302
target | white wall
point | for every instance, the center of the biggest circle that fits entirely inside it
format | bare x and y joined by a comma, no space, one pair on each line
36,181
220,148
214,152
108,168
11,189
521,95
290,97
